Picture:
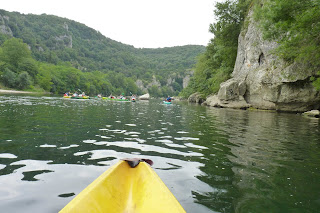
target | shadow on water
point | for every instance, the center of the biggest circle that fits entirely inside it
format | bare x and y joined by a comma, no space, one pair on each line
213,160
260,162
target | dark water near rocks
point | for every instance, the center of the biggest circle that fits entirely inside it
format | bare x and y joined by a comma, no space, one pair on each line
213,160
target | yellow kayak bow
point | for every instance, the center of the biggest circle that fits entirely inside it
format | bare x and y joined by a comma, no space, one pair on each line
122,189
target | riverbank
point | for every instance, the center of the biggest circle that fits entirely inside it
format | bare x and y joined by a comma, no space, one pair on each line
9,91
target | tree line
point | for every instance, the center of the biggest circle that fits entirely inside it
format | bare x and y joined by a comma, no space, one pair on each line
18,69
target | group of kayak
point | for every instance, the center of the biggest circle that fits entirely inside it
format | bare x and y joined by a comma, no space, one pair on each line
75,95
111,97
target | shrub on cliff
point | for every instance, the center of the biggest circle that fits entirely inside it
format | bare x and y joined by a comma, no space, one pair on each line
295,24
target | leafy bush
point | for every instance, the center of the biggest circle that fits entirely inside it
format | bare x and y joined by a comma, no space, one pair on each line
23,81
295,24
9,78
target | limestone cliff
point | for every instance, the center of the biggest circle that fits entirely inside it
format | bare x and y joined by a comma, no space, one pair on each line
262,80
4,29
170,79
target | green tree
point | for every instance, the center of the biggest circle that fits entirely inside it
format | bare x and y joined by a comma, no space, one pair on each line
9,78
14,51
176,86
23,80
29,65
131,87
166,91
154,91
106,88
44,80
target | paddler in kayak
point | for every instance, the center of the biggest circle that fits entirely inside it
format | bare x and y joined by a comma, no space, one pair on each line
82,95
169,99
122,96
75,94
133,98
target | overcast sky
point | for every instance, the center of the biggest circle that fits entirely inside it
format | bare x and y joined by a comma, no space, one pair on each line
141,23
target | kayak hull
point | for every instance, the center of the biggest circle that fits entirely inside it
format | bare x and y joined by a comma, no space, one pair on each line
79,97
167,102
125,189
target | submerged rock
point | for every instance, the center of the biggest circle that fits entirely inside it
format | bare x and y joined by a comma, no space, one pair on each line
196,98
238,103
312,113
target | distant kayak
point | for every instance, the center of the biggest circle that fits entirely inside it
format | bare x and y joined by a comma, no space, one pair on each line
125,189
167,102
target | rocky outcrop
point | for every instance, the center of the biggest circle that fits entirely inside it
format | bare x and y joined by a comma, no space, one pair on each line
140,85
186,80
4,29
261,80
312,113
65,39
143,88
235,104
174,78
144,97
154,82
196,98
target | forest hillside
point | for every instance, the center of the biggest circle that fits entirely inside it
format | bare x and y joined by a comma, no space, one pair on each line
59,48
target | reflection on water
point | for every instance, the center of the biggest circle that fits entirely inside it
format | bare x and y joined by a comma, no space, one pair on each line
213,160
262,160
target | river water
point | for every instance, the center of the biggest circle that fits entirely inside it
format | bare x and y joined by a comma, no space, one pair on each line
212,160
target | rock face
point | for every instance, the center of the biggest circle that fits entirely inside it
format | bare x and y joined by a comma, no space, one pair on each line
261,80
4,29
235,104
171,79
186,79
143,88
196,98
66,40
140,85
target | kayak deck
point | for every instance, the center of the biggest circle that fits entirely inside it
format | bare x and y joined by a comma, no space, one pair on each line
125,189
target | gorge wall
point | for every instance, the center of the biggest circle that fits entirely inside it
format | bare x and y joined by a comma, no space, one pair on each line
262,80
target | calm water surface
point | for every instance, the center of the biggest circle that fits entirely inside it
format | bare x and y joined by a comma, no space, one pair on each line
213,160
